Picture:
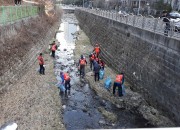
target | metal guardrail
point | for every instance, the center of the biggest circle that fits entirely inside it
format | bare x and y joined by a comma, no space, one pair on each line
10,14
149,23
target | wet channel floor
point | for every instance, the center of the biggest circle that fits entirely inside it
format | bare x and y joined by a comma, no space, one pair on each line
80,105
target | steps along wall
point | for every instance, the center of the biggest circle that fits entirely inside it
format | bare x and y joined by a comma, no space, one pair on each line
151,62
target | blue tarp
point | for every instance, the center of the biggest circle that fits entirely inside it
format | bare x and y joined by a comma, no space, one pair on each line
123,90
107,83
62,88
101,74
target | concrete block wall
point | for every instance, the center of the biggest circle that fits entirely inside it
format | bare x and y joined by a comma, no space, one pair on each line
151,62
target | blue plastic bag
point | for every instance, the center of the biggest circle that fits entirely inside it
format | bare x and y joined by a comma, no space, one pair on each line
62,88
123,90
107,83
38,70
101,74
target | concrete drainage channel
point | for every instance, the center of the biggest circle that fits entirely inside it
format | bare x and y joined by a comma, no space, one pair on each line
82,108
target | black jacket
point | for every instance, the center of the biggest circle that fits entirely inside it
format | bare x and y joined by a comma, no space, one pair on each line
97,67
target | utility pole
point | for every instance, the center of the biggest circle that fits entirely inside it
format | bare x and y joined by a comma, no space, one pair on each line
139,6
83,3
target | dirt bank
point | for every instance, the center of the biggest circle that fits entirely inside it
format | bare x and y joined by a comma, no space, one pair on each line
131,101
27,98
33,102
21,42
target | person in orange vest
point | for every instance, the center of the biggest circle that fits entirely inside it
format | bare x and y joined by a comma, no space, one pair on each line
41,64
97,50
91,59
82,63
118,83
66,80
53,49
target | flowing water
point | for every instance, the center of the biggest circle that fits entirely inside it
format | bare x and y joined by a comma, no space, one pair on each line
81,104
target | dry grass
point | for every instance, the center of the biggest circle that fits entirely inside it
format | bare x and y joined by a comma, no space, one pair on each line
28,35
33,101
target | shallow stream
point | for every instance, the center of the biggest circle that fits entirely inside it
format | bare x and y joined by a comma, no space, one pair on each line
81,105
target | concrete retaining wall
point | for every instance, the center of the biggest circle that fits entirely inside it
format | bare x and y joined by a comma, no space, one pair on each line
151,62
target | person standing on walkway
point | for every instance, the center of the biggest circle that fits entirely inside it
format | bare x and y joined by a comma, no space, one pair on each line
19,2
97,50
41,64
118,83
97,68
82,63
66,81
15,2
53,49
165,17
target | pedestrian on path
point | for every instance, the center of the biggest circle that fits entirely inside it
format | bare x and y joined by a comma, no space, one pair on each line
66,81
165,17
97,50
19,2
118,83
53,49
41,64
97,68
82,63
15,2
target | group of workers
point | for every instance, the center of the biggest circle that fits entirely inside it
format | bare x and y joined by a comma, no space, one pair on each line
96,64
53,49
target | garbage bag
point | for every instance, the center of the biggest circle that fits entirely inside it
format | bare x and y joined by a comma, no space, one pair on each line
107,83
38,70
123,90
101,74
62,87
59,78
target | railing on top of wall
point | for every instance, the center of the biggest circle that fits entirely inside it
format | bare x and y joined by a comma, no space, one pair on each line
147,23
9,14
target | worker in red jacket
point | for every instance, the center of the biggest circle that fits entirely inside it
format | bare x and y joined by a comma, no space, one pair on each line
118,83
91,59
53,49
66,80
82,63
41,64
97,50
